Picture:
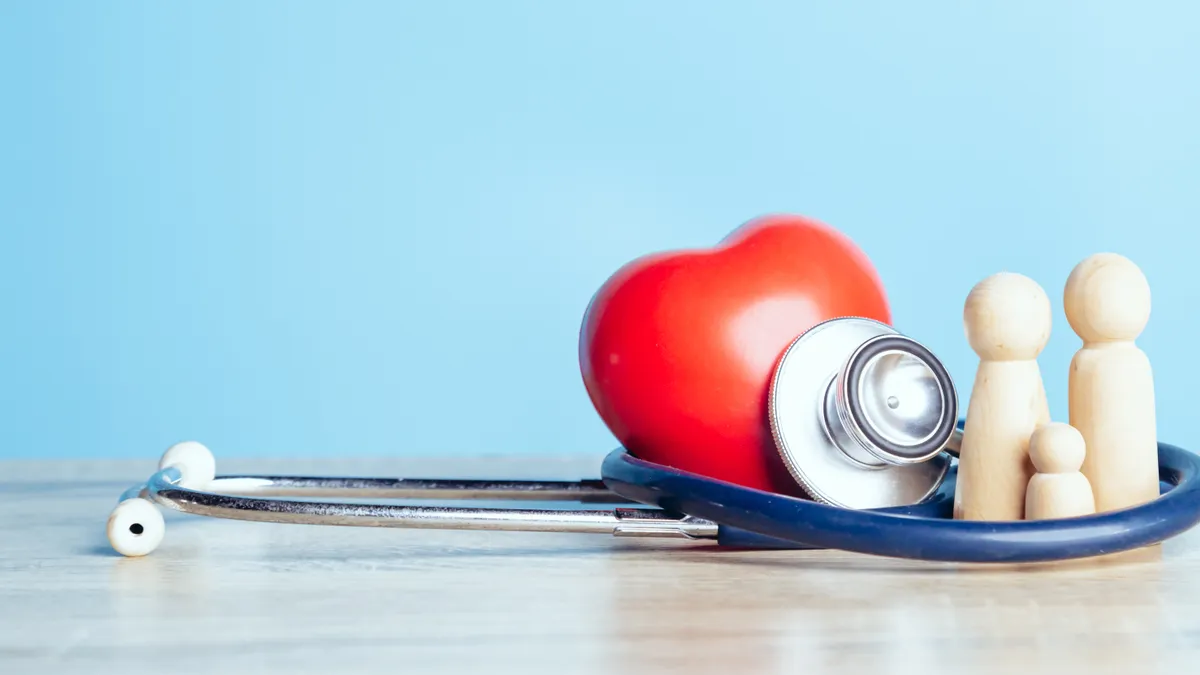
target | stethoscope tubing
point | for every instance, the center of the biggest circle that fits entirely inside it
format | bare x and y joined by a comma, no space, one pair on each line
756,518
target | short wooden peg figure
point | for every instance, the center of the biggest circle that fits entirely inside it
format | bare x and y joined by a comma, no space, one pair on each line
1111,384
1058,489
1007,322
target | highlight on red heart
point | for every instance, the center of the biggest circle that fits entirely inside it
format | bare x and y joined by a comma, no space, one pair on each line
677,348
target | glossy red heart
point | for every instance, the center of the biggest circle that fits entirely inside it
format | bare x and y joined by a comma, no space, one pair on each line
677,349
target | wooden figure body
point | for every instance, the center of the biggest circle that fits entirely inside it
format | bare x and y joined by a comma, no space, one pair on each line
1058,489
1007,322
1111,383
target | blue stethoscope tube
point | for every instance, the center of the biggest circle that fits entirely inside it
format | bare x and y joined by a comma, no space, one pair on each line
750,518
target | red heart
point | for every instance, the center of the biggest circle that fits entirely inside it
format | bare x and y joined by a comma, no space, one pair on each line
677,349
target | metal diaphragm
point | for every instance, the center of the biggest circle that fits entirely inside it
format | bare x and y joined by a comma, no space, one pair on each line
861,414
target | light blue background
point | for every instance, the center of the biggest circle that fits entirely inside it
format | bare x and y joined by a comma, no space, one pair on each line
289,228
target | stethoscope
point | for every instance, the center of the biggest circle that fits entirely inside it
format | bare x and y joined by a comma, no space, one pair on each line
864,418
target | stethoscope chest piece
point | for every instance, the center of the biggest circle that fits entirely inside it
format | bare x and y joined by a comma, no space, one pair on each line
861,414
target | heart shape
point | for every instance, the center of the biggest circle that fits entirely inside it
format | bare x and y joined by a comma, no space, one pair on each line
677,349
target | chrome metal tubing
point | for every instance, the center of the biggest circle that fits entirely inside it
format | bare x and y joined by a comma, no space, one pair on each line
242,498
955,443
584,492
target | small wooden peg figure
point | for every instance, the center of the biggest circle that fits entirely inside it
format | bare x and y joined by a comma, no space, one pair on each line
1007,322
1058,489
1111,384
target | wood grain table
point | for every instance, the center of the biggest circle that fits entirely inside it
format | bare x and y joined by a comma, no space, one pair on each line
239,597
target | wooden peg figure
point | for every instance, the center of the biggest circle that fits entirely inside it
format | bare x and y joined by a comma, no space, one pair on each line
1007,322
1058,489
1111,384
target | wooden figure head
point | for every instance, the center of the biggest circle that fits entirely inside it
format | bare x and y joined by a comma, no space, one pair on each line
1107,299
1007,318
1056,448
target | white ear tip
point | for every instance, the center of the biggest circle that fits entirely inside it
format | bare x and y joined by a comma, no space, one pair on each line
194,461
135,527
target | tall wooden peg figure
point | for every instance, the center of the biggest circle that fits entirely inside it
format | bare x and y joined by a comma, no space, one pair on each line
1058,489
1007,322
1111,384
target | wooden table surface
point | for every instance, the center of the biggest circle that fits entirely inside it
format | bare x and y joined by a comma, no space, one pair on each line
240,597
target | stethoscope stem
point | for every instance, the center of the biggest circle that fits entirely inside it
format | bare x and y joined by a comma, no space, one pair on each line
955,443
